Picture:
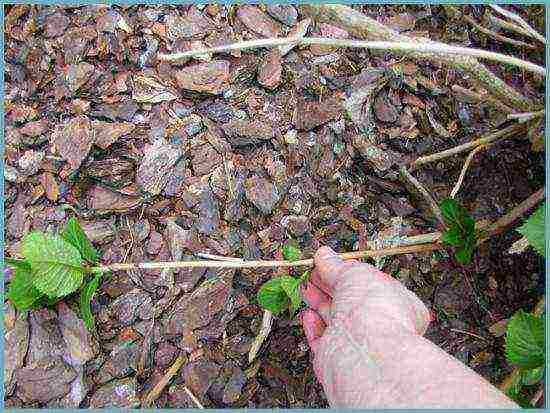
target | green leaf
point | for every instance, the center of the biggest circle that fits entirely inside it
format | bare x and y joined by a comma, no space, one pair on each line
21,292
525,340
533,229
305,277
532,376
17,263
291,286
451,211
272,297
291,252
452,236
74,234
85,300
464,254
55,264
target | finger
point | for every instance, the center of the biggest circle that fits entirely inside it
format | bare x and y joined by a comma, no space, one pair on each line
315,278
330,266
314,327
317,300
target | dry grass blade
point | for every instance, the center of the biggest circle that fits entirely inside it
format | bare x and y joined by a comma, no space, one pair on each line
506,25
496,36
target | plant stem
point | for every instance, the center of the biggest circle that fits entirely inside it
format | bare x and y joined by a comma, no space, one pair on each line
408,249
431,47
519,20
465,168
501,134
504,222
425,194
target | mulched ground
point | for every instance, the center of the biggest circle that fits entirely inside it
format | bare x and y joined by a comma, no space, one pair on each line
235,154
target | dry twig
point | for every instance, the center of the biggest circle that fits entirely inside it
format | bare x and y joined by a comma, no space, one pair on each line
506,25
424,192
520,21
465,168
159,387
495,35
501,134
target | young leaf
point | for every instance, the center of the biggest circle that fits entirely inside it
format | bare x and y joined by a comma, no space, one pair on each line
464,254
525,340
291,252
16,263
21,292
272,297
291,286
451,211
532,376
533,229
74,234
55,264
305,277
86,295
452,237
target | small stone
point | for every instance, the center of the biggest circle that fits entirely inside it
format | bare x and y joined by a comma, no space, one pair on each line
193,25
310,114
400,206
258,21
211,77
30,162
73,140
107,133
124,110
269,72
122,362
297,31
262,193
178,397
16,344
290,137
247,132
286,14
118,393
154,171
338,127
381,159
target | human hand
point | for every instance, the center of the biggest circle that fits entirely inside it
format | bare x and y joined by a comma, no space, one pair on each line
365,330
353,305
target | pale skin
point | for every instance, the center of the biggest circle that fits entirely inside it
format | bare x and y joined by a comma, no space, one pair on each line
366,329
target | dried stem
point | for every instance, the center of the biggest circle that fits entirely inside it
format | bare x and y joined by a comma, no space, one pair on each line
504,222
524,117
424,247
426,48
159,387
424,192
496,36
520,21
501,134
364,27
465,168
506,25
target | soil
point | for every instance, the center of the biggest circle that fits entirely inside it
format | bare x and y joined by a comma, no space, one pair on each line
235,154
